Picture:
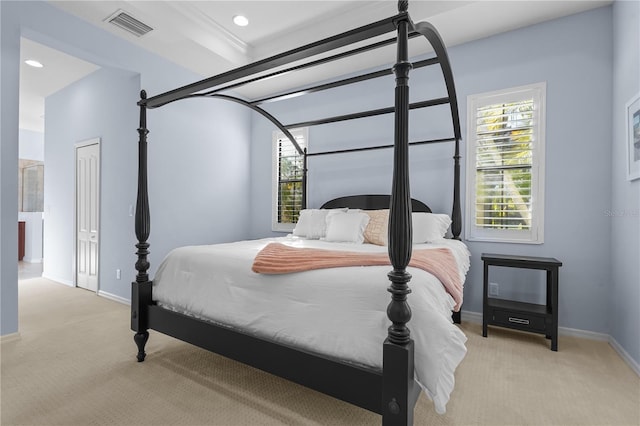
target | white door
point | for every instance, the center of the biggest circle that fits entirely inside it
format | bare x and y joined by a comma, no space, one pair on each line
87,196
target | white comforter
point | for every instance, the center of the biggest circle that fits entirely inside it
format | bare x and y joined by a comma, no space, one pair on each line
339,312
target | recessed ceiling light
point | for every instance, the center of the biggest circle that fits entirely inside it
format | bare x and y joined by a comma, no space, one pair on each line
33,63
240,20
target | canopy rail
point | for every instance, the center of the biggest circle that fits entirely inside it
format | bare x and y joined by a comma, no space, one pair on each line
280,126
321,61
255,108
265,114
275,121
338,83
373,148
365,114
344,39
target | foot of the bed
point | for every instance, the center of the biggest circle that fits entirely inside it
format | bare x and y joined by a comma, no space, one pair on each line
457,317
400,391
141,340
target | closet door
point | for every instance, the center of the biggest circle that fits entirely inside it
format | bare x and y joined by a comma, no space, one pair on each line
87,217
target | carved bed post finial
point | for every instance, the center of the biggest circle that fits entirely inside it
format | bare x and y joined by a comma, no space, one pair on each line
403,6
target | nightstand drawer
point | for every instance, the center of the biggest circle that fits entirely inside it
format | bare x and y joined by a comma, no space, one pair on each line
519,320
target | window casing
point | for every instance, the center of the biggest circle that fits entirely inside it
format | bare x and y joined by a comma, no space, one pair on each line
287,180
505,165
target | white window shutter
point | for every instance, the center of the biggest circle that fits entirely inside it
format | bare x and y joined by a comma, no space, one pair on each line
288,170
505,169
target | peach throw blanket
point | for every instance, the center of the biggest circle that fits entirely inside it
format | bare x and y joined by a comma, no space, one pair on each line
278,258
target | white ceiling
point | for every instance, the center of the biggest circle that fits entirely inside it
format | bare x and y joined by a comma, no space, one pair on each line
59,71
200,35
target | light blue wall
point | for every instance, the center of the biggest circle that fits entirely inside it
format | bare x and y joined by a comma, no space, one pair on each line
194,198
625,226
573,56
98,106
31,145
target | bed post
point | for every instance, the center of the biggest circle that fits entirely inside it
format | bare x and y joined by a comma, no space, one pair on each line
304,179
141,287
456,213
398,393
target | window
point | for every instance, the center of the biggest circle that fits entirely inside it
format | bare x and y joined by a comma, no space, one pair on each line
288,167
505,167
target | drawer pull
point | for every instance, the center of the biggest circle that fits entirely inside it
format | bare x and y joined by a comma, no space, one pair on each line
519,320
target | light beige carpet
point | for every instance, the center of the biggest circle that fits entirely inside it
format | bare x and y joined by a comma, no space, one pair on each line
75,365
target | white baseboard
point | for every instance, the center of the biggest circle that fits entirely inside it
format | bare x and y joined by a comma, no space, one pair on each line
102,293
58,280
476,317
625,355
114,297
10,337
583,334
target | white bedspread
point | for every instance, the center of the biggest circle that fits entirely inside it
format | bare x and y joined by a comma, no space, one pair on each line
339,312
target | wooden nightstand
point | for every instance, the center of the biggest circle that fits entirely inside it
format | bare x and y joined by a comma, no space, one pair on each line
530,317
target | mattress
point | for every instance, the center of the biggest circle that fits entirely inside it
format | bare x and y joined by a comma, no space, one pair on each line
339,312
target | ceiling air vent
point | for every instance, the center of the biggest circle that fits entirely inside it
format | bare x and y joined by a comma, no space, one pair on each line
127,22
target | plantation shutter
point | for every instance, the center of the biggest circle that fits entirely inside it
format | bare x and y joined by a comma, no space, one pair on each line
289,181
505,167
504,157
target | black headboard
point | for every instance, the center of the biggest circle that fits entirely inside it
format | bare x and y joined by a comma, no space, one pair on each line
371,202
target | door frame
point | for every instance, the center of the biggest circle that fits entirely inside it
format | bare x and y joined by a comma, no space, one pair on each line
82,144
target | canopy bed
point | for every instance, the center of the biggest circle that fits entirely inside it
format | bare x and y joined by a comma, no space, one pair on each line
382,377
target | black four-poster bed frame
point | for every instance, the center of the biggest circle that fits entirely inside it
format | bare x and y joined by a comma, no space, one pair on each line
391,392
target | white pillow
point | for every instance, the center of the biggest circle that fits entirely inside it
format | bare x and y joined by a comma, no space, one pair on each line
312,223
429,227
346,227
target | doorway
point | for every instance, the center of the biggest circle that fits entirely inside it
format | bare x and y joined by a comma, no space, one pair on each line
87,213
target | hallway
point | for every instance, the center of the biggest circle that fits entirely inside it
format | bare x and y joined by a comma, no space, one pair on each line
28,270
